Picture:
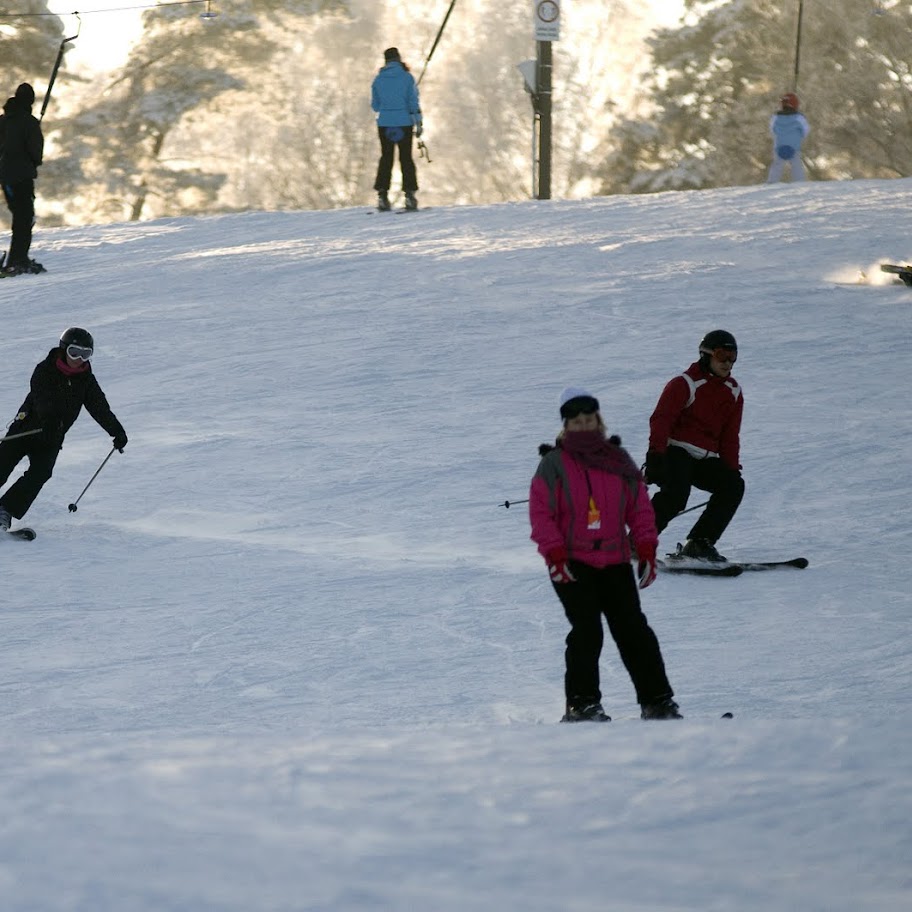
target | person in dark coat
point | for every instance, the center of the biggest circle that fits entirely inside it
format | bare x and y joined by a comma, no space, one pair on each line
21,154
394,97
61,385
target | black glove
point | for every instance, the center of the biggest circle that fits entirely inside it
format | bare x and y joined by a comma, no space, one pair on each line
656,468
120,441
419,130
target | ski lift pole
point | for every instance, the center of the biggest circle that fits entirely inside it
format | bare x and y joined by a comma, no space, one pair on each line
436,41
797,46
63,44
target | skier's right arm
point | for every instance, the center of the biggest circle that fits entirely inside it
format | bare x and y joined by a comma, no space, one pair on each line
669,407
546,532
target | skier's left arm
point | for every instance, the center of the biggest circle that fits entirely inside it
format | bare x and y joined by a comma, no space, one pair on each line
35,143
730,438
375,97
805,126
96,404
640,519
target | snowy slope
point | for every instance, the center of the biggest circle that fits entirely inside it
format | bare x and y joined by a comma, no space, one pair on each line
292,654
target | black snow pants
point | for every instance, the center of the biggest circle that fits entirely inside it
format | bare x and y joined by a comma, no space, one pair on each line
42,456
20,198
610,591
392,138
683,471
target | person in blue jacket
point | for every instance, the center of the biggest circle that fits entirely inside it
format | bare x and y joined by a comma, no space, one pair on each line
394,96
789,129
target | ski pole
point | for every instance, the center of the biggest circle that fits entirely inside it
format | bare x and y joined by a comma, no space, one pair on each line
23,434
510,503
72,506
697,507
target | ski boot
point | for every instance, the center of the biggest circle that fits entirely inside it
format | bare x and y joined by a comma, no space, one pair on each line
591,712
383,203
701,549
665,708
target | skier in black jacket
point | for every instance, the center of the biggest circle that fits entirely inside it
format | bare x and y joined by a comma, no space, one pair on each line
21,154
61,385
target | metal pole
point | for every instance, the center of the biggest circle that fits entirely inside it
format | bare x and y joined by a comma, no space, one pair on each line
798,46
23,434
544,127
63,44
72,506
436,41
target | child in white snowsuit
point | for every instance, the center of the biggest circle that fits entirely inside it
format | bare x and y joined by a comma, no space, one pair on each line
789,129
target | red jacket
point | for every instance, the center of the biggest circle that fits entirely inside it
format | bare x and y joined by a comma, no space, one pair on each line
702,413
559,510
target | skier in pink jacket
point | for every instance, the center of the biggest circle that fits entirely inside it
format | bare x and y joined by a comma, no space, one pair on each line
584,497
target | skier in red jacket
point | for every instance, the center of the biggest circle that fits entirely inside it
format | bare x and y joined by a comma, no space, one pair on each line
694,441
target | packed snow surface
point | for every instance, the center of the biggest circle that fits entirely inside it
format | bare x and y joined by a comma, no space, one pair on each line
292,653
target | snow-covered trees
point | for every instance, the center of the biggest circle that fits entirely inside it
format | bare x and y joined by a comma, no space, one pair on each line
122,156
29,39
702,119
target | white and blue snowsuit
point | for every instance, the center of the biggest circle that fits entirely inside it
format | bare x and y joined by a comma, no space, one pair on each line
394,96
789,129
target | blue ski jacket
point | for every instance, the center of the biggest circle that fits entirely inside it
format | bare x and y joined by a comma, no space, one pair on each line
789,131
394,96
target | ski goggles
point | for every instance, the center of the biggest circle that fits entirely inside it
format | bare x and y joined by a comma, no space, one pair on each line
725,355
79,352
581,405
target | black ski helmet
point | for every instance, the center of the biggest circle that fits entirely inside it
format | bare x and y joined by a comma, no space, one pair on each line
76,336
718,338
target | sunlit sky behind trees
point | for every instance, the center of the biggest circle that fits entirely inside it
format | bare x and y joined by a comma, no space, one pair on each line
157,112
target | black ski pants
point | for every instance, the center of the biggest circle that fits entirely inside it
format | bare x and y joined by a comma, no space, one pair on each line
20,198
610,592
682,472
392,138
42,456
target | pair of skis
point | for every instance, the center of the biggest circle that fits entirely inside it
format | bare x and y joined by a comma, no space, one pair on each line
674,563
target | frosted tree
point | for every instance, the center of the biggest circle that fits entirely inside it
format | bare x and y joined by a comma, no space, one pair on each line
117,155
308,138
29,40
702,120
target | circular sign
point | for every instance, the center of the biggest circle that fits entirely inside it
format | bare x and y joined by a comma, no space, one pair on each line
548,11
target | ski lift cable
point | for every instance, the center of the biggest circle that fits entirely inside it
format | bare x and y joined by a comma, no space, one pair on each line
118,9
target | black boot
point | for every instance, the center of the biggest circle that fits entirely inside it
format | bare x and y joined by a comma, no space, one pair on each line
665,708
383,203
592,712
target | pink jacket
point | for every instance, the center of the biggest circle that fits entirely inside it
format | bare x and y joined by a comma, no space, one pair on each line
559,510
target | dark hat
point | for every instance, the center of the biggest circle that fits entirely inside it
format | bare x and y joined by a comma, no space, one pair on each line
26,93
574,400
391,54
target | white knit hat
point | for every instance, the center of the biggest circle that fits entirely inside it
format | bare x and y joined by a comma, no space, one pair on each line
575,392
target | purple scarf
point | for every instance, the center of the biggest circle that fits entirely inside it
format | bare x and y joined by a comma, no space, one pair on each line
592,451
